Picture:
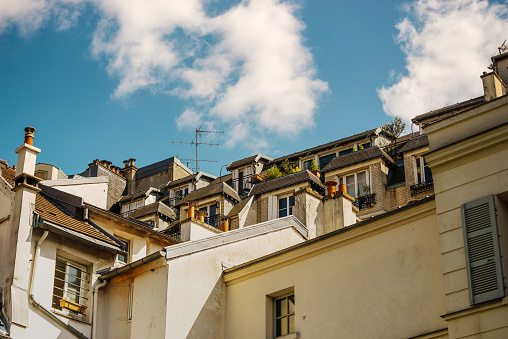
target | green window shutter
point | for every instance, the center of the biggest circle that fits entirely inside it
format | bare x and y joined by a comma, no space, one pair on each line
483,257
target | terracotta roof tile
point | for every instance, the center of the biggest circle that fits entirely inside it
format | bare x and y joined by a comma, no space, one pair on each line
8,174
48,210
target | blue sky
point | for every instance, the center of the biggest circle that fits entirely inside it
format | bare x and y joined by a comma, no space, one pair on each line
119,79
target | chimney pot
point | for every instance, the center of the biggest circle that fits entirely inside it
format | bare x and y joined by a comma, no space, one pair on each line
132,160
330,186
29,135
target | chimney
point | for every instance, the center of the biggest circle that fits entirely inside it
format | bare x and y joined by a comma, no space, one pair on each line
18,240
339,212
130,174
500,66
493,86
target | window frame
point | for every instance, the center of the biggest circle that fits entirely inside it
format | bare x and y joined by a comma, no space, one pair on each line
127,242
287,315
343,180
83,291
419,163
288,207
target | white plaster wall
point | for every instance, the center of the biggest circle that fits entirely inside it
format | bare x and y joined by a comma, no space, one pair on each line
195,304
39,325
93,193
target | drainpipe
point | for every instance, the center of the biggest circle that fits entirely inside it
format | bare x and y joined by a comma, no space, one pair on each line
71,329
96,286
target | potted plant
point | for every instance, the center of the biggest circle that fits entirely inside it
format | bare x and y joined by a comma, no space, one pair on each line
366,189
314,169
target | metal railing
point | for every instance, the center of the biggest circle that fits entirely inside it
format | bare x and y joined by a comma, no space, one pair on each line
175,200
422,188
213,220
367,201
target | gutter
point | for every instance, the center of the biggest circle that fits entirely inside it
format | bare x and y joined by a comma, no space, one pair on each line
119,271
68,327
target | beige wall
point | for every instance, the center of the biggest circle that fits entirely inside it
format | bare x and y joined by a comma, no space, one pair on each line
464,171
381,280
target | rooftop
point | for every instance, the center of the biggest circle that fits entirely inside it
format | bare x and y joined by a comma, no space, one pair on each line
209,191
248,160
357,157
156,207
285,181
416,142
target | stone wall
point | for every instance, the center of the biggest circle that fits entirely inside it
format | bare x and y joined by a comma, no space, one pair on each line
116,185
395,197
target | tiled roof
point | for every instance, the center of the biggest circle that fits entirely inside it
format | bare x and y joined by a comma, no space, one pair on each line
419,141
287,180
8,174
318,148
224,178
136,195
156,207
356,157
188,178
239,207
48,210
209,191
456,108
131,221
246,161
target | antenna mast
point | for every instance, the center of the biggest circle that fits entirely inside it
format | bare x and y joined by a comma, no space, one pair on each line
197,143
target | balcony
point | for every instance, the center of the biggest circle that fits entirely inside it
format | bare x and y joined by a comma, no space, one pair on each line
367,201
422,188
213,220
175,200
240,185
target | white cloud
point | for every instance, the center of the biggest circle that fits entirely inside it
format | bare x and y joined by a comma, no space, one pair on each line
247,67
29,15
447,45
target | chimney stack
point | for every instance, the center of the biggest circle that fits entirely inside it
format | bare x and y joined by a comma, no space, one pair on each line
493,86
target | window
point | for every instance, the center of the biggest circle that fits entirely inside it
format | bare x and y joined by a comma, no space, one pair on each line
240,182
41,174
355,184
346,151
183,192
124,258
422,171
323,161
284,315
483,256
286,206
306,165
70,285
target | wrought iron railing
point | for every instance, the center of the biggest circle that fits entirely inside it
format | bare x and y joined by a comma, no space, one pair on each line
175,200
367,201
213,220
422,188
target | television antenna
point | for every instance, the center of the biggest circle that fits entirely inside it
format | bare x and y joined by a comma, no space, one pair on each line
196,143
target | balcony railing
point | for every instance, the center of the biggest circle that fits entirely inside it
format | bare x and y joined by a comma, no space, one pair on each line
367,201
422,188
175,200
213,220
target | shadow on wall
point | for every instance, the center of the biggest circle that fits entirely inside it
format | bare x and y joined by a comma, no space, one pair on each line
210,321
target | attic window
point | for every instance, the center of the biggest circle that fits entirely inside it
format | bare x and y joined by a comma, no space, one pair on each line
70,288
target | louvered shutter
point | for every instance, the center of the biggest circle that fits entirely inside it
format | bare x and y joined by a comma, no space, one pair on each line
482,250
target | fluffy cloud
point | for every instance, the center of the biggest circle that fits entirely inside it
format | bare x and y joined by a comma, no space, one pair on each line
29,15
447,45
246,67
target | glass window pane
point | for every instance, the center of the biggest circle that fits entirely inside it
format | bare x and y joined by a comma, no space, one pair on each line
291,204
291,304
213,210
362,180
350,185
278,308
284,326
278,327
283,207
291,324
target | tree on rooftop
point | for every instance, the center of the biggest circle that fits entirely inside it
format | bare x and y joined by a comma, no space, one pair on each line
395,127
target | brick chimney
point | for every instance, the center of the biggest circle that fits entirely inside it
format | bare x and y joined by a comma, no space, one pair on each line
129,172
17,252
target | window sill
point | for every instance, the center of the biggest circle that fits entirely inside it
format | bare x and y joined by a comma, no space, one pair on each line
70,316
294,335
